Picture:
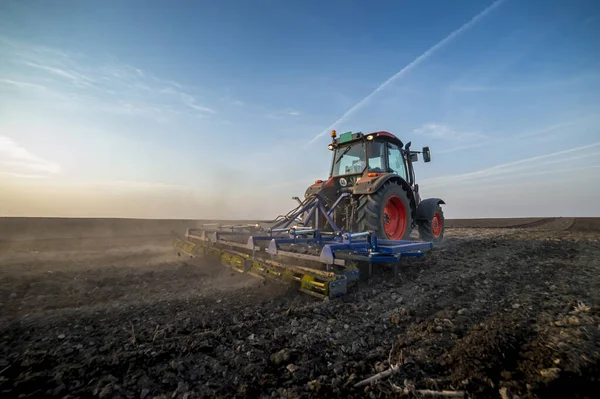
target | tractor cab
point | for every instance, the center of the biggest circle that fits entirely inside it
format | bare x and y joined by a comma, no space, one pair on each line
372,187
357,157
356,154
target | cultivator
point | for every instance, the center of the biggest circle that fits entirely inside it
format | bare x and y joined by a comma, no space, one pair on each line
362,216
322,261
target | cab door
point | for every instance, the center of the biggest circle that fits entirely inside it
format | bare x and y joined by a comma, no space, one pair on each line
397,165
395,161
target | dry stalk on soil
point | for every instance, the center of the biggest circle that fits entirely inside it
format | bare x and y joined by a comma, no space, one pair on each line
133,337
158,332
409,389
384,374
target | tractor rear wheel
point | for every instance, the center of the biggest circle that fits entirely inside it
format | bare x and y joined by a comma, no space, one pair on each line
388,212
432,230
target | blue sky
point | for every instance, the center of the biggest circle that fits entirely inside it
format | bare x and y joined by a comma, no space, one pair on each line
221,109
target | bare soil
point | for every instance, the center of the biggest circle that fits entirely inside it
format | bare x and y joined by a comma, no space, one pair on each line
493,312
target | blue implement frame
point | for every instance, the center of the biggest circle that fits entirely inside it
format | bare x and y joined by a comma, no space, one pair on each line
361,245
288,234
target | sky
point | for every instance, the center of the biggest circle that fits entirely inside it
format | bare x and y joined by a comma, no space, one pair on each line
222,109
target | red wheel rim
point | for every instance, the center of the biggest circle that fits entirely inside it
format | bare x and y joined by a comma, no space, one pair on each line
394,218
436,225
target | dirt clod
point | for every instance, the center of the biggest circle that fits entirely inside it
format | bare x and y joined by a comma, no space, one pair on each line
280,357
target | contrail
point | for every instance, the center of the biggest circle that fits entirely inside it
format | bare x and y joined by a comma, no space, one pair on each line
410,66
498,170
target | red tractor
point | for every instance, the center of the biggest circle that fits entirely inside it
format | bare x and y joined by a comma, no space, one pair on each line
376,170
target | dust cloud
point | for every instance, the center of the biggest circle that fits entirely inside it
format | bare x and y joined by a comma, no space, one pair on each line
227,195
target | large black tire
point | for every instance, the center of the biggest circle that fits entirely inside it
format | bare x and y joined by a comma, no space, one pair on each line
372,214
432,230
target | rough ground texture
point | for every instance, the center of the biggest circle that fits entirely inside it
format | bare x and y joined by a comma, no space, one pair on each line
494,312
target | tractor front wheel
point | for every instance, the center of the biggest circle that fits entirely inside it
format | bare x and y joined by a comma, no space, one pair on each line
432,230
388,212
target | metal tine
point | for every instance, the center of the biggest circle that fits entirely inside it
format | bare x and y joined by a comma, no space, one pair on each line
302,232
284,230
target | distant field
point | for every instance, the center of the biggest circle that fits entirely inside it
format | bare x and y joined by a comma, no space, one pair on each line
52,228
572,224
491,223
42,228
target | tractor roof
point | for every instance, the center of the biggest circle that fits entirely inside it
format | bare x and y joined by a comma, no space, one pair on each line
350,137
389,136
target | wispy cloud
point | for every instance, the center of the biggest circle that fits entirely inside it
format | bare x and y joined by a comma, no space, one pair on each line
498,138
18,160
78,79
445,132
509,168
137,185
543,84
192,103
103,85
23,175
24,85
499,182
465,147
546,130
410,66
284,113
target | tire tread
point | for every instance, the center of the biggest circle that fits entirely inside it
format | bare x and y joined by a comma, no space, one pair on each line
368,217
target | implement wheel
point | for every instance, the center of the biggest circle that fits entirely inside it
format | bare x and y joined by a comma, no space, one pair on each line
388,212
433,230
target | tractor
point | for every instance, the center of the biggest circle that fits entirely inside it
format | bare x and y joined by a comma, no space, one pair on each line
362,216
376,169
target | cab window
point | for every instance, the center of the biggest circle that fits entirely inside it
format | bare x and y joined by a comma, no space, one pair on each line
349,159
376,154
396,160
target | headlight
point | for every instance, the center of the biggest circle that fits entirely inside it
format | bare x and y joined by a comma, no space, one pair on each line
370,137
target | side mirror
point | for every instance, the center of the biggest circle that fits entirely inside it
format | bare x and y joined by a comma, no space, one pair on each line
426,154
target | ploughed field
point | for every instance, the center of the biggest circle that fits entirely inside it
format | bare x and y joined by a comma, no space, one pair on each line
104,308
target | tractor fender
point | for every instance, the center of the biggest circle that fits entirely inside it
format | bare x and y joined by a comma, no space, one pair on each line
371,186
426,208
317,187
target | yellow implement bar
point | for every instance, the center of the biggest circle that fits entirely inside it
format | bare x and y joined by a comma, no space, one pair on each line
318,283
